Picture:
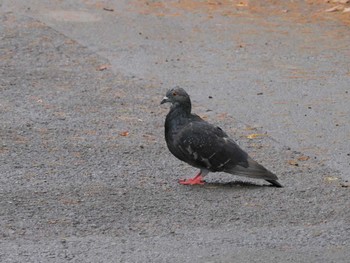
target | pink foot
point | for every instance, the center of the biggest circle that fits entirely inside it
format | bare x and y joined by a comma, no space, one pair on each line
197,180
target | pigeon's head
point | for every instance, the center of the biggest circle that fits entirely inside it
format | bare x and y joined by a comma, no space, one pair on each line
177,96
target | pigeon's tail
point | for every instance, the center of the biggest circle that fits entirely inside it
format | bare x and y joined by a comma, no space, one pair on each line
255,170
274,183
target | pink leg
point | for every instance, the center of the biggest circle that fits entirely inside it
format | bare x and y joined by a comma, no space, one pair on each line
197,180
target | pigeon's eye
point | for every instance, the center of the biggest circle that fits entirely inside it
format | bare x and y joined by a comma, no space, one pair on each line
174,93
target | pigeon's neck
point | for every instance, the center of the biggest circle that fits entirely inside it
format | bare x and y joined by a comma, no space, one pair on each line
177,117
180,110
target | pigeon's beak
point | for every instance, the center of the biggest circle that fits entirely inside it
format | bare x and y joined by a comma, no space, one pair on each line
165,100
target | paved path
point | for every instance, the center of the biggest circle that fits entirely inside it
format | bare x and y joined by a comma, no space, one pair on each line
76,77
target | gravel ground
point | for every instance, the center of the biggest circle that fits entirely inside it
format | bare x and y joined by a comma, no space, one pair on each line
82,181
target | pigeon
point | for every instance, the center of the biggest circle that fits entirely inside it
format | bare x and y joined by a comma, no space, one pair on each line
205,146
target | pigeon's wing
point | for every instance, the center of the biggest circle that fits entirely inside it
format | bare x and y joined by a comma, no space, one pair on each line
206,146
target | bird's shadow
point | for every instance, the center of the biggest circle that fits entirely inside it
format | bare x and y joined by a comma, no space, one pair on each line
235,184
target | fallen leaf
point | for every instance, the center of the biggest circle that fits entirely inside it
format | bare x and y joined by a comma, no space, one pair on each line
335,8
242,4
149,137
293,162
103,67
346,10
250,128
339,1
124,133
330,178
303,158
255,135
222,116
108,9
345,185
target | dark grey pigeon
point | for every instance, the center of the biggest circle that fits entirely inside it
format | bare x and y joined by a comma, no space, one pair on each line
205,146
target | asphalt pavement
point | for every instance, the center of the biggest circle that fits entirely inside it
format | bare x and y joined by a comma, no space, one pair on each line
85,174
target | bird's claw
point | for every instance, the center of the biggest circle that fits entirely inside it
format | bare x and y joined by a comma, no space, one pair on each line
197,180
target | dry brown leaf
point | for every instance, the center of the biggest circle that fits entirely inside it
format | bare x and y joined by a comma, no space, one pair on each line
293,162
124,133
335,8
222,116
242,4
255,135
250,128
339,1
303,158
149,137
103,67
